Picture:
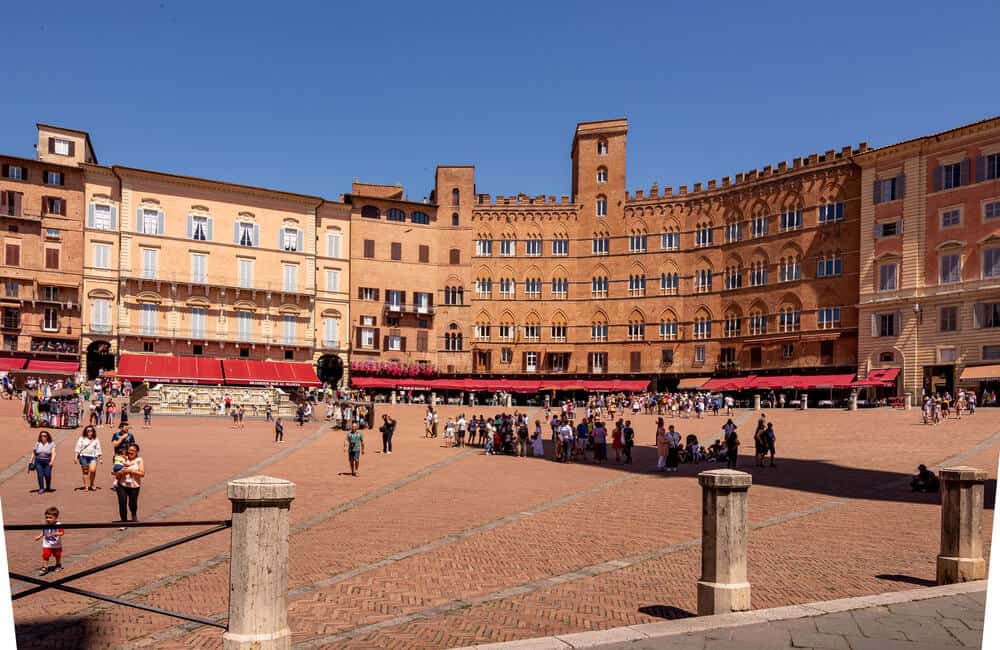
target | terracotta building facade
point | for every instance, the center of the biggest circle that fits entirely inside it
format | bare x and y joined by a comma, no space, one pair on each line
771,271
930,283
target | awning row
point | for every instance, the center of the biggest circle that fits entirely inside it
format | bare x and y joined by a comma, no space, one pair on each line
885,377
206,370
8,364
507,385
792,382
981,373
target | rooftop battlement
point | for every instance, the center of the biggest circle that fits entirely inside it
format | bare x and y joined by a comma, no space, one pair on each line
522,199
754,175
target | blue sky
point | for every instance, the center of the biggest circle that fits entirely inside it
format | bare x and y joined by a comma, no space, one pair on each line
308,96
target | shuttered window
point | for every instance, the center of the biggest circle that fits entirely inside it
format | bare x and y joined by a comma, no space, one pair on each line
369,248
52,258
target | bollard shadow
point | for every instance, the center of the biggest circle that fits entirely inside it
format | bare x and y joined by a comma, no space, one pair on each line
69,633
800,474
910,580
666,612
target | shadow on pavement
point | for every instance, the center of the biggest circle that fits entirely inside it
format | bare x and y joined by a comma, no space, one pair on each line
69,633
910,580
667,612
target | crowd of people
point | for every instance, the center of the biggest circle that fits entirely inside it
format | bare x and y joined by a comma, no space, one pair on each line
939,407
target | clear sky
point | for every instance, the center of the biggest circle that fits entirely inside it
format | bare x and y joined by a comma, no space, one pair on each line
306,97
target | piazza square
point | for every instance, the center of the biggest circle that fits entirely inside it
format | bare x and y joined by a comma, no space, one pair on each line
438,546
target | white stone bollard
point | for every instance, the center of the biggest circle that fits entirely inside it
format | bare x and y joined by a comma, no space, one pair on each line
392,398
853,402
805,402
258,573
510,399
756,402
961,557
908,402
434,400
723,586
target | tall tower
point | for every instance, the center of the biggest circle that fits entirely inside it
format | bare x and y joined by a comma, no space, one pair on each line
598,157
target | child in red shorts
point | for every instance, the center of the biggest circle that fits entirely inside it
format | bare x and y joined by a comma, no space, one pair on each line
51,537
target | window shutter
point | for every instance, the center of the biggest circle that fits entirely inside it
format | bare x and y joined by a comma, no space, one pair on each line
980,169
256,234
138,219
876,198
901,186
898,323
875,326
72,148
964,172
208,229
378,292
52,145
899,226
360,292
190,227
938,174
300,241
430,299
876,230
402,297
17,204
977,315
160,230
4,169
236,232
357,337
402,344
377,338
90,215
114,218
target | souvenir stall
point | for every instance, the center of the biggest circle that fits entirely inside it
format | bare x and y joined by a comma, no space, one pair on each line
54,409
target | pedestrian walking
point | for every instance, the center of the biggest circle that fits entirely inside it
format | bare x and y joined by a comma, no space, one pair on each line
732,450
51,537
88,455
769,441
673,449
147,415
129,481
279,431
43,460
661,445
388,428
354,445
628,433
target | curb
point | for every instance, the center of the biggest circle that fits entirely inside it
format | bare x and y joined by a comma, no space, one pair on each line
737,619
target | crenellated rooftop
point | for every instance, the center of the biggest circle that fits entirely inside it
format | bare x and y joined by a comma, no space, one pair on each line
754,175
522,200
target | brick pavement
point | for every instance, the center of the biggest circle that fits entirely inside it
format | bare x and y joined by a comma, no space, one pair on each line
424,534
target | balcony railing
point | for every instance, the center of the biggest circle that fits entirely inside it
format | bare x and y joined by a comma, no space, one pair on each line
187,334
408,308
224,282
99,328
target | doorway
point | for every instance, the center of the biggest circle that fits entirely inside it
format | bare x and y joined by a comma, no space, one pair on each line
99,359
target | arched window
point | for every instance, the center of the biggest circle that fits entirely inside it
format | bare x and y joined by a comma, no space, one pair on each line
668,327
734,278
703,280
454,296
454,218
602,174
637,284
668,283
560,288
370,212
599,286
602,206
789,319
599,328
420,217
395,214
602,147
455,197
757,321
702,326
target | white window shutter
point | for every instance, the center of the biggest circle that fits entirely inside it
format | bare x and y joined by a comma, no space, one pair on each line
300,241
190,227
114,218
874,325
208,229
256,234
160,223
236,232
281,239
90,215
138,219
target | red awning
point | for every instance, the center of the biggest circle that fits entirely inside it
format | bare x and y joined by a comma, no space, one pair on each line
247,372
69,367
170,369
879,377
805,382
729,383
9,363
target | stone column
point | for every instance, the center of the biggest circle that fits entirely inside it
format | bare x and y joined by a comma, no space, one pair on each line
853,403
961,557
805,402
756,403
434,400
258,573
908,402
723,586
510,399
393,398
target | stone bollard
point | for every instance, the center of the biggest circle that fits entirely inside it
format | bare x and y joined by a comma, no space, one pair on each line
961,557
756,402
723,586
510,400
258,573
908,402
392,398
805,402
434,400
853,403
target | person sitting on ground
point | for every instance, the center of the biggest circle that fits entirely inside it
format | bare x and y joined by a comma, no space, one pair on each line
925,480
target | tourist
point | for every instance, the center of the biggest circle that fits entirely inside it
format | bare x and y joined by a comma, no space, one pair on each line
537,444
460,427
768,437
449,433
661,445
759,445
213,407
354,445
129,479
388,428
279,431
600,437
522,437
88,454
925,480
269,414
673,449
190,402
616,441
566,438
51,537
732,450
147,415
240,412
628,435
428,421
582,437
730,403
109,413
43,460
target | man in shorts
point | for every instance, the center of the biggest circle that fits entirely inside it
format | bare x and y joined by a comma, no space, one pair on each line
354,445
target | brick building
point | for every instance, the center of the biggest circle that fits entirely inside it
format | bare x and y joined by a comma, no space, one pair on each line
41,212
930,282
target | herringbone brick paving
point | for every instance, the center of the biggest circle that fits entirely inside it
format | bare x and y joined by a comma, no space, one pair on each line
825,458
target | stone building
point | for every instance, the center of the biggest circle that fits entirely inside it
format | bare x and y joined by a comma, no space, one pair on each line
930,245
41,212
